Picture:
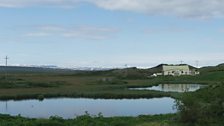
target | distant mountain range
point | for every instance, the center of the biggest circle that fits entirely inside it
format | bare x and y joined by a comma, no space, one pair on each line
25,69
48,68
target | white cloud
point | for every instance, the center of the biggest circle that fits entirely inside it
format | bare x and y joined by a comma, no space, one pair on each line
27,3
165,30
180,8
37,34
80,32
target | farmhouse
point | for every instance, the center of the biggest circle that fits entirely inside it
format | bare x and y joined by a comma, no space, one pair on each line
176,70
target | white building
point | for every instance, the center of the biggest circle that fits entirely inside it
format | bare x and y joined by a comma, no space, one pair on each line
177,70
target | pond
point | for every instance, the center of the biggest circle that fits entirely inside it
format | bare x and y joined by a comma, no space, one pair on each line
173,87
72,107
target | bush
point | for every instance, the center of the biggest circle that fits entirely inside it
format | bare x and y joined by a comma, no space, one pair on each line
205,107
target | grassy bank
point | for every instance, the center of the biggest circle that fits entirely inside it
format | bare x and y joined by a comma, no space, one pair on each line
204,107
86,120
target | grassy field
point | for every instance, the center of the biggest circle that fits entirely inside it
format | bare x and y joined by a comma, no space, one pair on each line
100,84
201,108
22,86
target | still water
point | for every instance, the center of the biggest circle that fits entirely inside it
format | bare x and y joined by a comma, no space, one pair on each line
72,107
173,87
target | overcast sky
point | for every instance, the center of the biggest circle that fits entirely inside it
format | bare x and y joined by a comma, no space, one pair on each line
111,33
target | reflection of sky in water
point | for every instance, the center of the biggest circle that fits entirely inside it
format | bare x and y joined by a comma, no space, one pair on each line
173,87
70,107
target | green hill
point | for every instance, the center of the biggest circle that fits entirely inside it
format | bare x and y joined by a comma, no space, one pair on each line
18,69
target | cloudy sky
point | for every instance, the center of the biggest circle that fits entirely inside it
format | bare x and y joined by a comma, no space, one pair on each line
111,33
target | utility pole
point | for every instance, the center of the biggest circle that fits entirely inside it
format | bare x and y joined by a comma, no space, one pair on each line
6,61
181,62
126,70
197,63
126,65
6,64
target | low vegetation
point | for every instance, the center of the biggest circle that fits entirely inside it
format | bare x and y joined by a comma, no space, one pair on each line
204,108
201,108
9,82
26,86
86,120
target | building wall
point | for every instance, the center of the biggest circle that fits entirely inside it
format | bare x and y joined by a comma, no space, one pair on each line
176,70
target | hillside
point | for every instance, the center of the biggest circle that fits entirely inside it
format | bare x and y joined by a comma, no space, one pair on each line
17,69
219,67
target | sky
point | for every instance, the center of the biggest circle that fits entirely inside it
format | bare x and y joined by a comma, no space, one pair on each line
111,33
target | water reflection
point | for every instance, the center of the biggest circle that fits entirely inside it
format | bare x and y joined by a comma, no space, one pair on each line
173,87
71,107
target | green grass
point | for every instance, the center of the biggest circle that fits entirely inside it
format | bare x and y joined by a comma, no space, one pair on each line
20,83
92,85
204,107
22,86
86,120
